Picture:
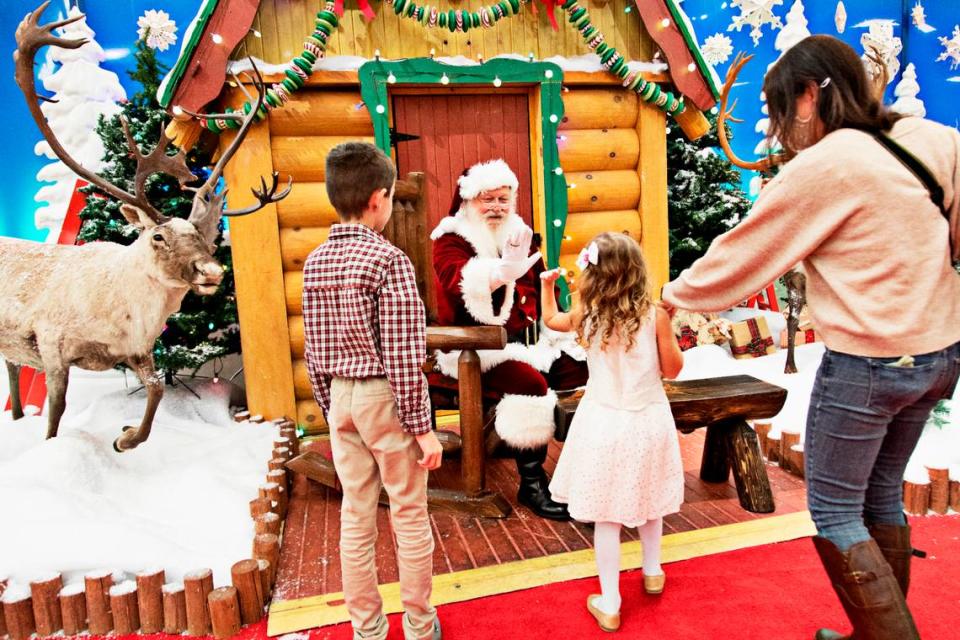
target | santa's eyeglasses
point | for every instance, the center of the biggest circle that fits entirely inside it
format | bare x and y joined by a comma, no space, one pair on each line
488,200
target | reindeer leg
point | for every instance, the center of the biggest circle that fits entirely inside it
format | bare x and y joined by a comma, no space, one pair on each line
132,436
791,365
13,372
57,397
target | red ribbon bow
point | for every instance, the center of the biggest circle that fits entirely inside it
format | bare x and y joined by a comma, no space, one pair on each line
364,6
757,346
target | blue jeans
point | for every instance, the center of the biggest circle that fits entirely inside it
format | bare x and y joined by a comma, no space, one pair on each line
865,419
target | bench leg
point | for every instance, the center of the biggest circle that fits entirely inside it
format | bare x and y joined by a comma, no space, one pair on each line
715,464
749,472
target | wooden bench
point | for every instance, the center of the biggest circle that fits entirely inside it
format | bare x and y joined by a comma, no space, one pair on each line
722,405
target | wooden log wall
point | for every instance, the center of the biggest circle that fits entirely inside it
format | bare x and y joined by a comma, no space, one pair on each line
284,24
599,149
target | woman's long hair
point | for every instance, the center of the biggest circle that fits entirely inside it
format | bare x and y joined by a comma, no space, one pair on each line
849,99
615,292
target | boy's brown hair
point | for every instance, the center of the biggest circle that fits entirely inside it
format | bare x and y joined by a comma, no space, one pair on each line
354,171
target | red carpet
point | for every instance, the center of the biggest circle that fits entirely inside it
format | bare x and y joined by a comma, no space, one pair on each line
776,591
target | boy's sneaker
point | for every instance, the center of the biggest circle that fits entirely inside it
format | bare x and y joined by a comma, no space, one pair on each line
379,631
436,635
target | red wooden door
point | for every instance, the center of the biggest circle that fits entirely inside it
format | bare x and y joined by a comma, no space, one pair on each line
458,130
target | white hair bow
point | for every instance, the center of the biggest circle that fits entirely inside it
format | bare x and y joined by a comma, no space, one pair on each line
588,255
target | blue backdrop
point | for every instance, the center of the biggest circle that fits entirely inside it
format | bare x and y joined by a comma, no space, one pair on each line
115,24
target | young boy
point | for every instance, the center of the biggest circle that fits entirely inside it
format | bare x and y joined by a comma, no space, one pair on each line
365,344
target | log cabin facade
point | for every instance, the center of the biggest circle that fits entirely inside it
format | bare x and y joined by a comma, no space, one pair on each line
590,154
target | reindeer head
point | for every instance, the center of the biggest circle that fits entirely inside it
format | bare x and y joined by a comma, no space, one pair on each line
182,250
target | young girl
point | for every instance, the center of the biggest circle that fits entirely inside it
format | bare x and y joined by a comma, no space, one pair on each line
620,465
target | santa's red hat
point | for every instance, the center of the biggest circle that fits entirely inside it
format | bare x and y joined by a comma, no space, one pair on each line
486,176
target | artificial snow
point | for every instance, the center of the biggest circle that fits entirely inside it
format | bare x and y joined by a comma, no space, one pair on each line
179,501
939,447
588,62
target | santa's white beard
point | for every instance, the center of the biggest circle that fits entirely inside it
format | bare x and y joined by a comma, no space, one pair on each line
487,240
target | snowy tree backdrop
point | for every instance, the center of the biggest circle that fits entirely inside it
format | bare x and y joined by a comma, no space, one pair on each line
82,92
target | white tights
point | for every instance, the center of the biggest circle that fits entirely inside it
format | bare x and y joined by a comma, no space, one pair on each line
606,544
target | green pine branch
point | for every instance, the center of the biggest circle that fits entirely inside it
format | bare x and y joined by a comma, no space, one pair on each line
205,327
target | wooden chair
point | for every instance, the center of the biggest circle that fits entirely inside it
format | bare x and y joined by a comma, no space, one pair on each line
408,230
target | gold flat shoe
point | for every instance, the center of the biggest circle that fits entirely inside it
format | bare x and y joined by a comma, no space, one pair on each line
607,621
654,584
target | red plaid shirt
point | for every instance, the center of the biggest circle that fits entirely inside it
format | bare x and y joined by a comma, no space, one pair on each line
363,318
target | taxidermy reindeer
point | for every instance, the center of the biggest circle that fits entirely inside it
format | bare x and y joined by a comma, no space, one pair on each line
102,304
796,299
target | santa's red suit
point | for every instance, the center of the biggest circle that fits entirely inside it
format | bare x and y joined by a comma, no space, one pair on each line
521,377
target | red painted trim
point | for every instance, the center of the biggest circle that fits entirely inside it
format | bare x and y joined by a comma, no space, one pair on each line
206,72
691,84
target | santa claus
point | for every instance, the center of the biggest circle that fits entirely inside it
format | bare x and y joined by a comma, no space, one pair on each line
487,272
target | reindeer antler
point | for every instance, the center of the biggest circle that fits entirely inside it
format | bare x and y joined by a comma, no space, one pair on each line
766,164
31,36
264,196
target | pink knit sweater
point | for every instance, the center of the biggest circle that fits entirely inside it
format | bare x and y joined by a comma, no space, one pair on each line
873,245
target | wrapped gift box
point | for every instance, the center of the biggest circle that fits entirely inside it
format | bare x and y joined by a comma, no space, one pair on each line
805,336
751,339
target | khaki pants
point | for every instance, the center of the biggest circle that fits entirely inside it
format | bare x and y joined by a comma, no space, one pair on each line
371,449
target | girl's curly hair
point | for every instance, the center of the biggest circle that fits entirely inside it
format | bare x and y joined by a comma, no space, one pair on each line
615,292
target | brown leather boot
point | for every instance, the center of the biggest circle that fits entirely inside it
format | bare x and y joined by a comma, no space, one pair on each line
868,591
894,543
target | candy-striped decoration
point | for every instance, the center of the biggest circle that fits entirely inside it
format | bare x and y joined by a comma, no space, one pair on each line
459,19
616,64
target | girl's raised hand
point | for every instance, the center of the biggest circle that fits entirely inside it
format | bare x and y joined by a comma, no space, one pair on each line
551,276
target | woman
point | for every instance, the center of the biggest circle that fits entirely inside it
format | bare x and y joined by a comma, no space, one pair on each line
883,294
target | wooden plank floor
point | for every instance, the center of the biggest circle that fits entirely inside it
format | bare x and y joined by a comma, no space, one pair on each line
310,564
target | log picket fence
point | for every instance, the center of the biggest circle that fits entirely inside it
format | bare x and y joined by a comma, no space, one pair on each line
104,603
939,495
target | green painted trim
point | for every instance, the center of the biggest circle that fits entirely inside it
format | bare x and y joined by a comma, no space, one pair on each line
192,36
426,71
683,22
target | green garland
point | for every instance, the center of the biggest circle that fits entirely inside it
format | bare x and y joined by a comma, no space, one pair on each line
616,64
301,67
297,72
457,20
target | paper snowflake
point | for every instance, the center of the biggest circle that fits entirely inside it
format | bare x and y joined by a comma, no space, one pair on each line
920,18
951,48
158,29
717,48
880,40
840,17
755,13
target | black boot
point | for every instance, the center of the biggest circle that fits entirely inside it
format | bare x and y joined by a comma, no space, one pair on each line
868,592
533,491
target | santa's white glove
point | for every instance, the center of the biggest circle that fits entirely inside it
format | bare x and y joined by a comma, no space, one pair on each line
514,261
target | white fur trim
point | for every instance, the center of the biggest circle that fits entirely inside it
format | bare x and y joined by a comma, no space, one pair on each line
477,297
485,242
561,342
539,359
486,176
526,422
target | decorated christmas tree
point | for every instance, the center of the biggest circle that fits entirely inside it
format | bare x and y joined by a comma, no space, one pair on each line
81,92
205,327
703,195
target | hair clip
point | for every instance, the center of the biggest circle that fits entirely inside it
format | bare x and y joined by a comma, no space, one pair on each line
588,255
826,81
